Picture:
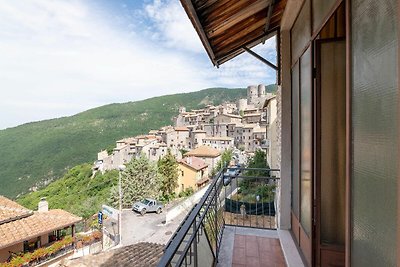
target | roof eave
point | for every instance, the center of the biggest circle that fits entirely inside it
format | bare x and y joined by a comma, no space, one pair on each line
191,12
44,232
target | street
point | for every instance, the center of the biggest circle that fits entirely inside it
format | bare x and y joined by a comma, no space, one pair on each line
148,228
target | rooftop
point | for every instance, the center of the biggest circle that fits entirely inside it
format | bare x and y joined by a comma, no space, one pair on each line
194,163
226,27
22,224
204,151
219,138
230,115
183,128
10,210
142,254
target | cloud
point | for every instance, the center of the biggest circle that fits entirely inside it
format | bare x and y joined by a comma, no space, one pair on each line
175,30
55,53
61,57
173,26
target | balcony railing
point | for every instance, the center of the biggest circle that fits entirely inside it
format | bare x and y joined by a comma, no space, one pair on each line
237,197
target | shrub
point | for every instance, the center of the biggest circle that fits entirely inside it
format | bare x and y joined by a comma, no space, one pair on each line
17,261
97,235
187,192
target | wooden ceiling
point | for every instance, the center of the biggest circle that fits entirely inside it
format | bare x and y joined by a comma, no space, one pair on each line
225,27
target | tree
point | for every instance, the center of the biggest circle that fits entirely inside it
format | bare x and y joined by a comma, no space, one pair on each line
226,157
259,160
139,180
168,171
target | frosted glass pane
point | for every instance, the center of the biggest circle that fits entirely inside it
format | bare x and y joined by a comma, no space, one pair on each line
295,139
301,31
320,11
333,142
375,135
306,140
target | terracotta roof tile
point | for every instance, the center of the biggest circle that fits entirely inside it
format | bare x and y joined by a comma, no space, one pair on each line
204,151
194,163
25,224
183,128
10,209
137,255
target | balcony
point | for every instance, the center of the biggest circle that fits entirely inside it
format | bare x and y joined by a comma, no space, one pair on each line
234,224
264,144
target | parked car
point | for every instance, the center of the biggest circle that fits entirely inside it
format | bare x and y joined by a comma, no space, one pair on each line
147,205
230,173
227,180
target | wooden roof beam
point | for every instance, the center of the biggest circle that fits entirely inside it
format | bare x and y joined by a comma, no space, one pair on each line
191,11
270,7
263,60
235,52
241,15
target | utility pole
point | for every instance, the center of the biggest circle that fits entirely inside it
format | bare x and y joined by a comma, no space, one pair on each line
121,168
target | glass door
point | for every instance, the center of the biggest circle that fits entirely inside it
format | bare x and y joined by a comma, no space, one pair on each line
330,185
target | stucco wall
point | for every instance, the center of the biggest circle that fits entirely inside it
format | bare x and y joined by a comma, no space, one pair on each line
188,179
4,253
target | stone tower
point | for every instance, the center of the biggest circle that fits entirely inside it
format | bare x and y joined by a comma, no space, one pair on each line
261,90
241,104
252,94
182,110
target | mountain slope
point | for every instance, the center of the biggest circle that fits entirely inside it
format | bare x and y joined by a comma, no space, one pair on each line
77,191
40,151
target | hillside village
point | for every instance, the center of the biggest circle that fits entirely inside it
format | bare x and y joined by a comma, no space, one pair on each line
198,137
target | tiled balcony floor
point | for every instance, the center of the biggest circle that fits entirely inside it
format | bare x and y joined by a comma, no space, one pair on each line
246,247
256,251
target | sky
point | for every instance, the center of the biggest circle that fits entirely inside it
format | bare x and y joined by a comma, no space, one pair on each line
59,58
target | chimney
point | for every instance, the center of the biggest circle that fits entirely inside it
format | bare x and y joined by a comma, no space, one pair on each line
189,160
43,205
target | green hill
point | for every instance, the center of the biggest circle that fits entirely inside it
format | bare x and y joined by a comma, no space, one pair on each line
271,88
77,191
36,153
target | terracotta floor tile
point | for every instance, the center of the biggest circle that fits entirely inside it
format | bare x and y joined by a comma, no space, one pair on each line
239,256
240,241
255,251
252,249
252,262
251,238
264,243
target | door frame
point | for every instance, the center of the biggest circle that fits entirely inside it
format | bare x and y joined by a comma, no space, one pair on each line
317,153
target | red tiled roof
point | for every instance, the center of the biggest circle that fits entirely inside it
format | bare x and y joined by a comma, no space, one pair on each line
194,163
10,210
142,254
183,128
20,224
204,151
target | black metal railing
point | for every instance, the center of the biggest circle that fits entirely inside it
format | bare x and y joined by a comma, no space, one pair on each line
237,197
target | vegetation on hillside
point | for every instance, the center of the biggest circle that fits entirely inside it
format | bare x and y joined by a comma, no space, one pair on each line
78,192
44,151
139,180
168,170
